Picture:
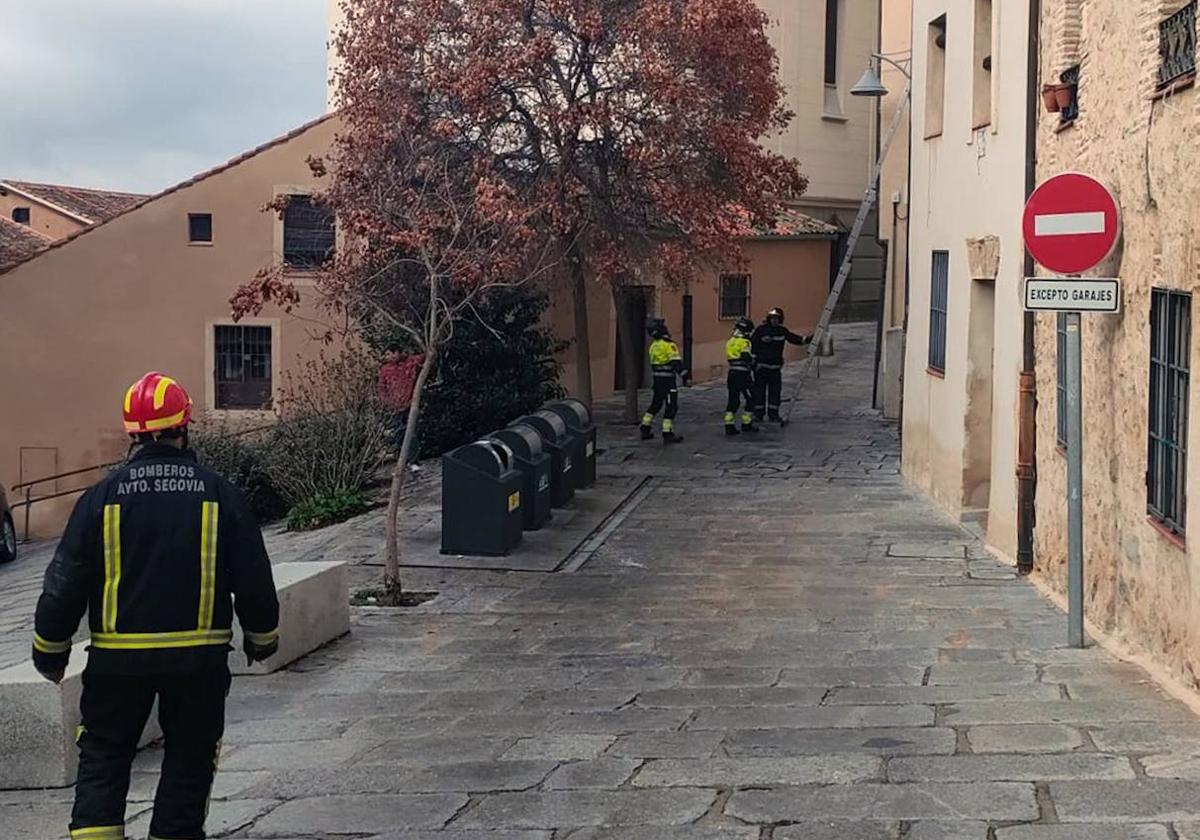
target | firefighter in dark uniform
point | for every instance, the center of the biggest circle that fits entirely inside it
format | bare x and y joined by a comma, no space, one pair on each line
666,363
160,554
768,345
740,380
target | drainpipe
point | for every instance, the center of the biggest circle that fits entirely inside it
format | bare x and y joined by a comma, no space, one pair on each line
1027,440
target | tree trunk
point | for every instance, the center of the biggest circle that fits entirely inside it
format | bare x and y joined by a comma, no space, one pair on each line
391,569
583,347
631,362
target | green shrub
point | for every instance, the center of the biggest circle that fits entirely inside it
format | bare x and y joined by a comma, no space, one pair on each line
241,460
500,364
328,509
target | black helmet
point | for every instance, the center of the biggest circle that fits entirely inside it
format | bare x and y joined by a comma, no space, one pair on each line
744,326
658,328
775,313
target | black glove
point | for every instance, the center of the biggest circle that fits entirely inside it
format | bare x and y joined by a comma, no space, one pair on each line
258,653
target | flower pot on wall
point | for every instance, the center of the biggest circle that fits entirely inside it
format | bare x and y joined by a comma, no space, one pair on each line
1050,98
1064,96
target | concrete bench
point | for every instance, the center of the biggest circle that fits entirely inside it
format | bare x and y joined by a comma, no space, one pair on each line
314,608
38,720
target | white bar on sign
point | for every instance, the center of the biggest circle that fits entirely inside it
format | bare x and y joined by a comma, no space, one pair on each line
1068,224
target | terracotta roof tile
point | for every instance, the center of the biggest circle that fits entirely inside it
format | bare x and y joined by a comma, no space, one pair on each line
792,222
93,205
19,242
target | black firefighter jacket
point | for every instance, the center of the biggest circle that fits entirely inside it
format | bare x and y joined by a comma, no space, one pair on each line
767,343
160,554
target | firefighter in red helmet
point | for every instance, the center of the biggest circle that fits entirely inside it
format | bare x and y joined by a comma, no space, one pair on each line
160,554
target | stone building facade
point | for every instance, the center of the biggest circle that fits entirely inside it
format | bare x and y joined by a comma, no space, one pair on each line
965,318
1134,124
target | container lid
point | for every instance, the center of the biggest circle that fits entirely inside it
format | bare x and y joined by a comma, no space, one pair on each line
490,457
549,425
524,440
574,412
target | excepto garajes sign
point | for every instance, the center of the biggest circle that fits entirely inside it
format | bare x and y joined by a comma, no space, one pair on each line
1071,294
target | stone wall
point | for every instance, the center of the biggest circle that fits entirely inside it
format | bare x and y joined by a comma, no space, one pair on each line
1140,585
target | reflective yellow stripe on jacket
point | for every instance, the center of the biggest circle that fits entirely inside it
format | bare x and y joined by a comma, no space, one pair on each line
152,641
112,567
208,564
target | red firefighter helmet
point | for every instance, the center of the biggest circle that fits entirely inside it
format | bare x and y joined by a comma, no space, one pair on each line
156,403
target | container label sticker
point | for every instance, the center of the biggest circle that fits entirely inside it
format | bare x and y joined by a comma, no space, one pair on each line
514,501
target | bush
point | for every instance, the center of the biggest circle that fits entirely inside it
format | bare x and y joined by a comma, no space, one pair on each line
242,461
328,509
333,433
500,364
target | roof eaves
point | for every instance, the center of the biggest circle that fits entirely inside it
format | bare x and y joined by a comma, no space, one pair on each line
195,179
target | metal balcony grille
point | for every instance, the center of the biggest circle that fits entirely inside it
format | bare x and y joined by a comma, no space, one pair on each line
1177,45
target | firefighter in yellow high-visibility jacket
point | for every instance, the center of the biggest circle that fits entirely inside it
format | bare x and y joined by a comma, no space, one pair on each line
740,380
666,363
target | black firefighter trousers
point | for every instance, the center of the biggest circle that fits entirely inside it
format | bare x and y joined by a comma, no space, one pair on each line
115,707
768,392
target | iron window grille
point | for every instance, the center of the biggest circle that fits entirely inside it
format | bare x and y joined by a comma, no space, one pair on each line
1170,349
735,296
20,215
939,294
309,234
1177,46
1060,383
200,227
243,367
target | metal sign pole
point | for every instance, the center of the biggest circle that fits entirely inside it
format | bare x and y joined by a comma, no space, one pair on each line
1074,482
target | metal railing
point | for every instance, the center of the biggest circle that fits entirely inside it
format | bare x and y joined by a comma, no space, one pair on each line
28,500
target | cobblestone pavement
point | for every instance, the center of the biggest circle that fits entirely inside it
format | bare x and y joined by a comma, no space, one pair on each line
780,640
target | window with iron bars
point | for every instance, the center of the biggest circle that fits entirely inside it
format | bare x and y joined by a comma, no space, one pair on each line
1170,351
243,366
309,236
1177,46
735,296
939,294
1060,382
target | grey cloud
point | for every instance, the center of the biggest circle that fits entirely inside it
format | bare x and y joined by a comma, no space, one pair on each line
140,94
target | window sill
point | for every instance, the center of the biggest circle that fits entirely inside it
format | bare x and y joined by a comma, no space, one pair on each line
934,135
1061,449
1177,540
1063,125
986,124
935,373
835,118
200,244
1178,86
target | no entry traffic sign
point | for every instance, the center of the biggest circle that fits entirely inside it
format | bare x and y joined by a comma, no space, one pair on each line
1071,223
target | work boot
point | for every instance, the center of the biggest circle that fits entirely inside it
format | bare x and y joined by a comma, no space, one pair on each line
774,417
647,433
731,430
750,428
758,417
671,437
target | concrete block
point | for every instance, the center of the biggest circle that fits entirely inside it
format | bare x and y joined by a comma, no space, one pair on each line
38,720
314,608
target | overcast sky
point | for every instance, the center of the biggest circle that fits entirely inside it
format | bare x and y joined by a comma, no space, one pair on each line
141,94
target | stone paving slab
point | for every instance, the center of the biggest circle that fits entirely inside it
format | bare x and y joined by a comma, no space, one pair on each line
677,806
1085,832
985,800
1009,768
759,772
362,814
1142,800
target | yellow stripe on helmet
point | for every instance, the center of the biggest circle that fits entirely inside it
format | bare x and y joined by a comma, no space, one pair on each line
160,391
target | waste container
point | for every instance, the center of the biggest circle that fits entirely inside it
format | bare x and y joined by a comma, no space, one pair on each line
481,500
579,423
557,441
534,465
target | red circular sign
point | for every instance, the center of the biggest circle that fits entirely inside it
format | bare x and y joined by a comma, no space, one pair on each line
1071,223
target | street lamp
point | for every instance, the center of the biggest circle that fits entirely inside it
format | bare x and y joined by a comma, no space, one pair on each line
870,85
